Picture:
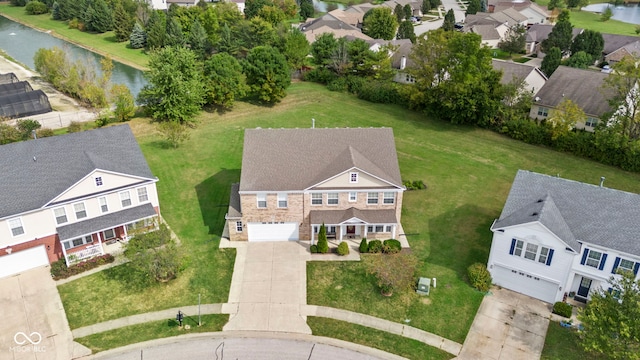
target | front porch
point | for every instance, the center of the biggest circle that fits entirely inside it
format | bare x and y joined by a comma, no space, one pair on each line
354,224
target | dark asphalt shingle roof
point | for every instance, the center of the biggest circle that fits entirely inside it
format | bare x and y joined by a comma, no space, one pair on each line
61,161
234,210
574,211
332,217
297,159
513,70
613,42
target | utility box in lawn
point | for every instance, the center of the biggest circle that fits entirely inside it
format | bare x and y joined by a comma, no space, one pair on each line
424,285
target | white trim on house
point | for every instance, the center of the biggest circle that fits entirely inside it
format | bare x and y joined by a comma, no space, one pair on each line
349,171
19,220
83,210
55,217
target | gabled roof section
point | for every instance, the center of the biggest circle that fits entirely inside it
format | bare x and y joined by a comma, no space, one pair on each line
60,162
295,159
539,32
575,211
513,70
613,42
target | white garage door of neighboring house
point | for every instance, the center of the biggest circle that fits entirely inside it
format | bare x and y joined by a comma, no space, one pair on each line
23,260
525,284
272,232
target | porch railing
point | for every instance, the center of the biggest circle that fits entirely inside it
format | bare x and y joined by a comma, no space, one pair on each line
88,252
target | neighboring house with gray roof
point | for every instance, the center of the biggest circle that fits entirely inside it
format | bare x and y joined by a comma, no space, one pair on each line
334,23
583,87
534,13
532,77
631,49
67,196
537,33
294,180
557,236
493,27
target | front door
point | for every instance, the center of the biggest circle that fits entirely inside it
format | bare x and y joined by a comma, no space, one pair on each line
585,285
351,229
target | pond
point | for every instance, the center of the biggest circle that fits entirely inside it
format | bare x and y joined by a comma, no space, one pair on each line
21,43
322,6
629,13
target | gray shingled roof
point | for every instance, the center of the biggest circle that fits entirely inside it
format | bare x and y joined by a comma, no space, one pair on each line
539,32
583,87
614,42
104,222
234,210
297,159
575,211
331,217
511,70
61,161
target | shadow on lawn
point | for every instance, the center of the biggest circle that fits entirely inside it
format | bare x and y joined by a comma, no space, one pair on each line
213,196
133,280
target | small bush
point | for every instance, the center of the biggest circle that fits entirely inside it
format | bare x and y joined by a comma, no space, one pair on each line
562,309
102,120
313,249
59,269
414,185
364,246
35,7
479,277
375,246
391,246
44,132
74,126
343,249
320,75
339,84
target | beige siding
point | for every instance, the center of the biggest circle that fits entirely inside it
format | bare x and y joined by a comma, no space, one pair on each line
88,185
342,181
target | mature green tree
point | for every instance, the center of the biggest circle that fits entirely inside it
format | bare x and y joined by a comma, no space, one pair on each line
611,319
398,11
560,36
606,14
122,23
571,4
435,3
580,60
156,30
224,80
449,21
462,91
551,61
306,9
252,7
138,37
405,31
554,4
425,7
564,118
26,127
622,84
268,74
198,40
589,41
228,13
155,254
473,7
228,42
174,133
394,272
55,11
101,17
252,33
124,106
175,91
408,12
380,24
363,61
515,40
8,134
174,35
296,48
323,48
211,24
272,14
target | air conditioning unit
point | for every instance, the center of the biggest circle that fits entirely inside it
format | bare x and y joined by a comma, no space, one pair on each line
424,285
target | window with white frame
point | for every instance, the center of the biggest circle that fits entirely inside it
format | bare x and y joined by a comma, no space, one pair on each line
531,251
389,198
593,259
69,244
16,226
543,111
98,180
518,248
238,226
332,198
372,198
331,229
388,228
379,228
591,122
104,207
61,215
316,199
282,200
353,196
109,234
353,177
544,254
142,195
125,198
80,210
626,265
262,200
370,228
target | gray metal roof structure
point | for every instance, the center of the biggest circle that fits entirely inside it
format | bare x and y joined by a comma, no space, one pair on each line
297,159
15,88
8,78
23,104
104,222
35,172
576,212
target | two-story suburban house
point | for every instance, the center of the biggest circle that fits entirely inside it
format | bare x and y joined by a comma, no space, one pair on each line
294,180
66,196
531,77
557,236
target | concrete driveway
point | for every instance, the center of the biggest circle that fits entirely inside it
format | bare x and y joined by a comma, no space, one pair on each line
508,326
33,324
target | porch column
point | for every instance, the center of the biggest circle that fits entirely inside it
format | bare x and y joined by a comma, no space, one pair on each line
393,231
341,231
100,242
312,233
124,228
64,252
365,231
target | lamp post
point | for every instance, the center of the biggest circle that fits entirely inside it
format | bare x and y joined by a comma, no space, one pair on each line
179,318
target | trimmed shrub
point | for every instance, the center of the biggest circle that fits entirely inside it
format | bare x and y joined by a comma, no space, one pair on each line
320,75
323,244
382,92
375,246
59,269
391,246
35,7
364,246
74,126
44,132
562,309
338,84
479,277
414,185
343,249
313,249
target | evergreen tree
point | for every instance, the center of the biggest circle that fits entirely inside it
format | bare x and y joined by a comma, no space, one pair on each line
156,30
224,80
398,11
473,7
55,11
323,244
408,12
174,36
87,18
449,21
198,40
122,23
380,23
561,35
589,41
551,61
306,9
268,74
405,31
483,5
425,7
138,37
101,17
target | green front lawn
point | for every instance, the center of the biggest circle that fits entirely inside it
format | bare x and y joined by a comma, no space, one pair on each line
563,343
104,44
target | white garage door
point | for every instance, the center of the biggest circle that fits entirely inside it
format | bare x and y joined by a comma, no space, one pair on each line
23,260
525,283
273,232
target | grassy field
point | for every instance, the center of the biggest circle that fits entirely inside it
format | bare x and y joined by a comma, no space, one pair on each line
149,331
104,44
588,20
408,348
563,343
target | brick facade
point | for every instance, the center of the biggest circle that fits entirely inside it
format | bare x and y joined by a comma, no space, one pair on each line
51,244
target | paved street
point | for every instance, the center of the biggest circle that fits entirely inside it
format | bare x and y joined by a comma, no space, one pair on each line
432,25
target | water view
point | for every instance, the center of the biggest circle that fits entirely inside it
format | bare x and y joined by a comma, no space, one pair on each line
629,13
21,43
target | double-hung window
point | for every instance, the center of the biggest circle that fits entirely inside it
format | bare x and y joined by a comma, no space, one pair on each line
125,198
316,199
332,198
518,249
282,200
16,226
544,254
389,198
543,111
372,198
531,251
104,207
593,259
77,242
262,201
353,196
80,210
626,265
61,215
142,195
